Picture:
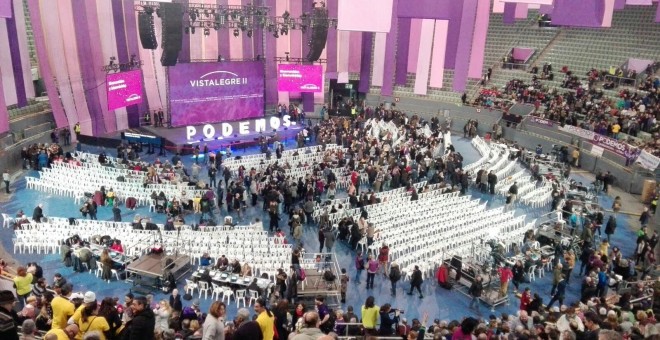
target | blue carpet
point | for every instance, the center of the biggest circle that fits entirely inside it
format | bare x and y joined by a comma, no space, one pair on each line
438,302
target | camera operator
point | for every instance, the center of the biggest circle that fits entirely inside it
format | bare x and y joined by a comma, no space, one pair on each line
388,319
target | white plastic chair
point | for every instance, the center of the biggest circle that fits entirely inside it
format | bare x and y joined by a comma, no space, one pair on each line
203,286
190,287
532,275
240,296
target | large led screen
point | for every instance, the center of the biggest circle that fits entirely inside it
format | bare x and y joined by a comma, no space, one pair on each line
213,92
124,89
299,78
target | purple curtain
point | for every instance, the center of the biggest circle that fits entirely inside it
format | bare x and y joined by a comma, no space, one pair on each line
583,13
390,53
464,46
86,56
4,114
16,62
402,51
331,45
223,35
44,65
509,13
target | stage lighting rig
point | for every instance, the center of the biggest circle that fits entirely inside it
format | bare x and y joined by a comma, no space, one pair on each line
114,66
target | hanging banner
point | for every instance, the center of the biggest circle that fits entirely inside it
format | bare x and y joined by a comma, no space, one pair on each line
648,161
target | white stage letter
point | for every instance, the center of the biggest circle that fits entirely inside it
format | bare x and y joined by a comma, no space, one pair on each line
209,131
287,120
260,125
274,123
190,132
244,128
227,130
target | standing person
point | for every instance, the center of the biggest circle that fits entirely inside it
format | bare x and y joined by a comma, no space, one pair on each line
505,276
383,258
214,327
370,316
475,291
62,308
5,178
359,266
372,268
38,214
23,284
212,175
559,293
569,257
556,277
265,319
610,227
329,239
142,326
8,316
492,181
76,130
525,299
116,212
576,157
321,240
416,282
518,272
513,191
644,217
245,328
616,205
343,281
395,276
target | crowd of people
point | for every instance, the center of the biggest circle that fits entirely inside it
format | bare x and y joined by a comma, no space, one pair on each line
585,106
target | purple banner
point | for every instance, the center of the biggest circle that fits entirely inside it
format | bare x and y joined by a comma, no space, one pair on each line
583,13
522,53
541,121
213,92
613,145
299,78
124,89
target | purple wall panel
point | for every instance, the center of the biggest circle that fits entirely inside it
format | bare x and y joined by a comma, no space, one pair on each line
365,65
86,56
657,13
132,47
583,13
184,54
44,65
427,9
619,4
390,53
547,9
509,17
4,114
464,45
402,51
331,45
296,36
307,97
454,33
16,63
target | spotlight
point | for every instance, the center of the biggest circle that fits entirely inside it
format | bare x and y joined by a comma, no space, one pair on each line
287,56
286,15
132,62
249,33
187,30
216,26
192,29
207,32
258,57
236,32
193,16
149,10
275,34
221,58
206,13
158,12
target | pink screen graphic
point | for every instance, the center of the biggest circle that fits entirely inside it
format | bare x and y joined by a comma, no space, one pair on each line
299,78
124,89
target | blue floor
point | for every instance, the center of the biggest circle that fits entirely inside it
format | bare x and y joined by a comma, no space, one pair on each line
437,302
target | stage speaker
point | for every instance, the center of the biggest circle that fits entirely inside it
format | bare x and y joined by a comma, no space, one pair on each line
147,31
172,32
319,33
457,262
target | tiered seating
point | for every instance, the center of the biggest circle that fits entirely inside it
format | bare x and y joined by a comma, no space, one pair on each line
308,155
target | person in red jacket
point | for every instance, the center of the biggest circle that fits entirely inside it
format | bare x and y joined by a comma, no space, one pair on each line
443,276
525,299
505,276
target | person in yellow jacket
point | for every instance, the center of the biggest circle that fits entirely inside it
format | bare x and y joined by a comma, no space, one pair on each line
23,283
265,319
